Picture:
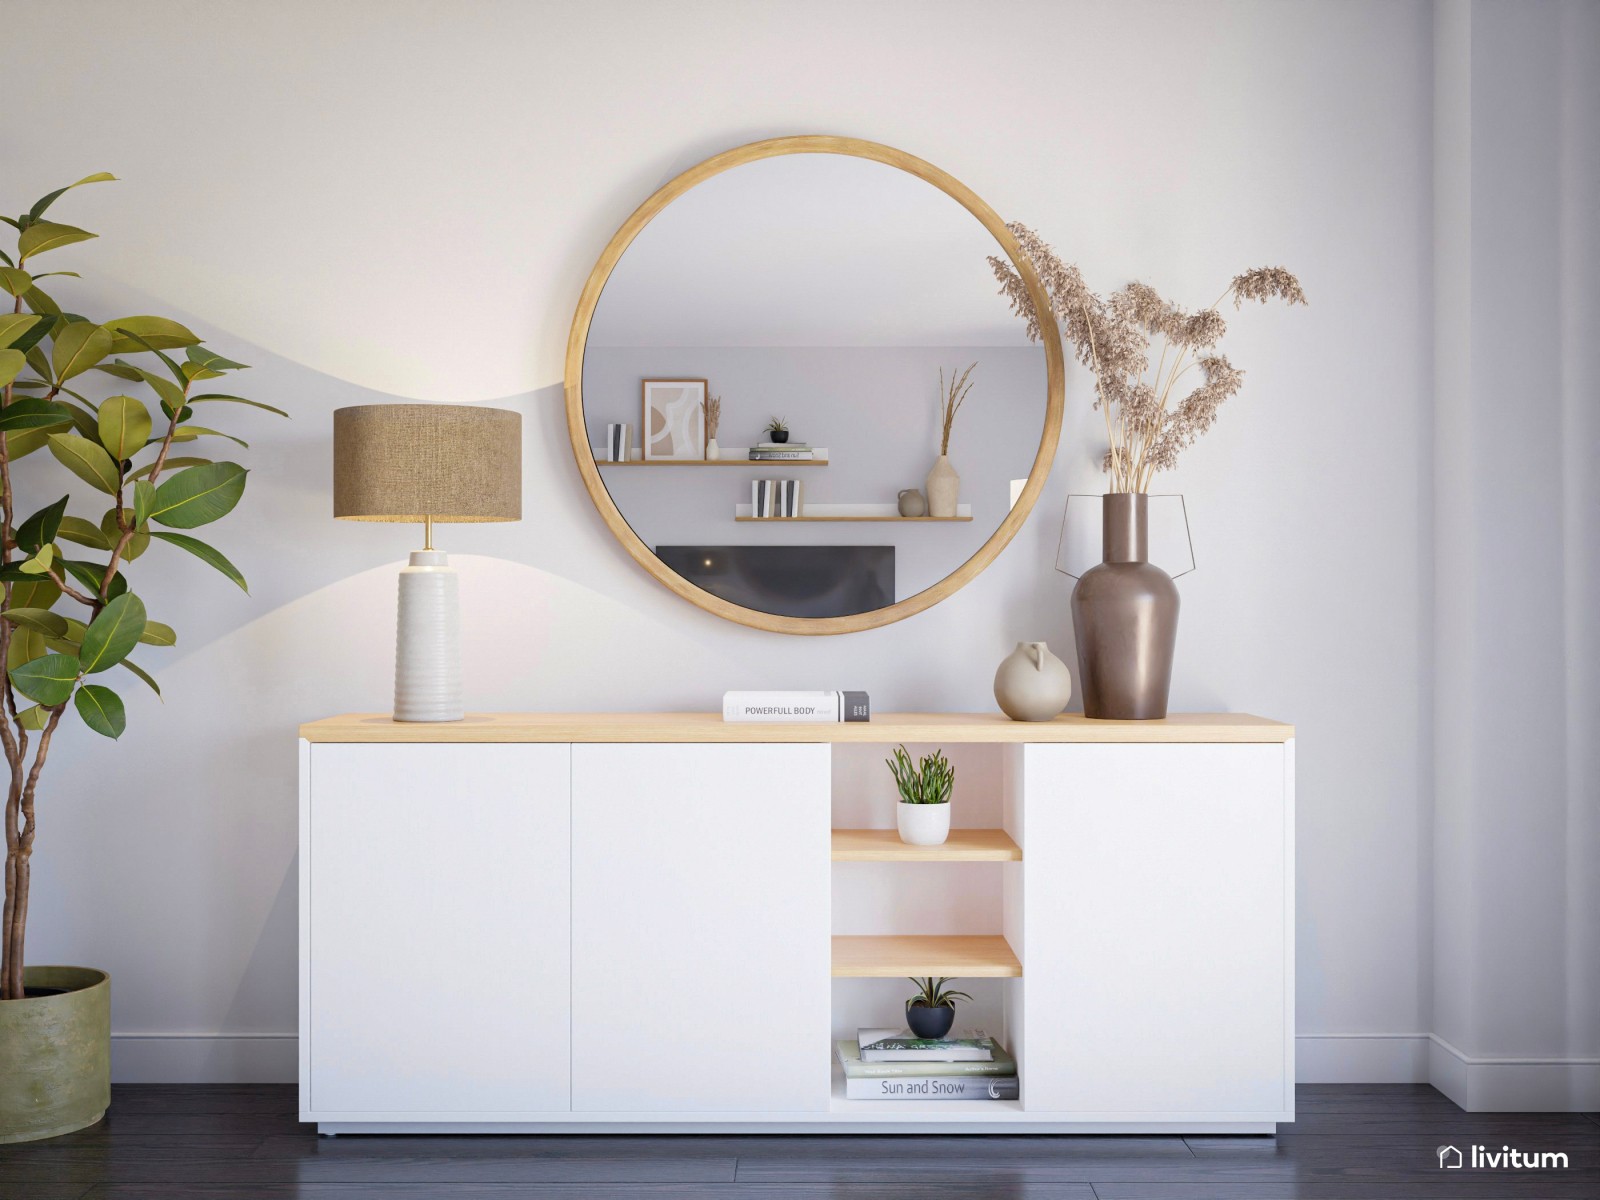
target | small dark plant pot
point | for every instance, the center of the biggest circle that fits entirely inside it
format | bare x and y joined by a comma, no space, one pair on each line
778,435
928,1022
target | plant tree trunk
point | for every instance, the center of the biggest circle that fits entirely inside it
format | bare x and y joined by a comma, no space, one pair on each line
16,747
18,878
16,907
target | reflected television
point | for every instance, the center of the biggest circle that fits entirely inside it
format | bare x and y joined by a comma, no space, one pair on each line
790,581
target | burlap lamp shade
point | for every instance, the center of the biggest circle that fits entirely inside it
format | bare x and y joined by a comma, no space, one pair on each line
427,463
415,462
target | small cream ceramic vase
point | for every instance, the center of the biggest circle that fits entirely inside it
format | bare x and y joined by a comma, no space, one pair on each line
713,451
944,488
1032,684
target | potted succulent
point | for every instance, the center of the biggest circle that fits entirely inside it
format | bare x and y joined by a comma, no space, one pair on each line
55,1034
923,814
778,430
932,1011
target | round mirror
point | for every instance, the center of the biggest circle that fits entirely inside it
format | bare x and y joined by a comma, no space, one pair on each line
759,376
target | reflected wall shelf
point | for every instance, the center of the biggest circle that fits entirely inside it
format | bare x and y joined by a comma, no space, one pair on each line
892,956
851,512
963,845
732,456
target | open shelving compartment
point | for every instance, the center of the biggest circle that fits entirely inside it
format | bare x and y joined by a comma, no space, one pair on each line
951,910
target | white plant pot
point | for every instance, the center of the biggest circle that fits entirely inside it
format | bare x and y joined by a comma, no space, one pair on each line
923,824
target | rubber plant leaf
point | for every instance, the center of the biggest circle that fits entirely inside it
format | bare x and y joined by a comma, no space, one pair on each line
77,348
41,528
85,459
132,334
123,425
46,201
205,553
42,236
199,495
47,680
113,634
101,710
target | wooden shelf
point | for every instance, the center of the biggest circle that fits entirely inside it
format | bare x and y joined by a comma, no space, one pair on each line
963,845
900,520
850,512
716,462
884,728
959,956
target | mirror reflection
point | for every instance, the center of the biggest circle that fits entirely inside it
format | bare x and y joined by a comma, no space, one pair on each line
768,373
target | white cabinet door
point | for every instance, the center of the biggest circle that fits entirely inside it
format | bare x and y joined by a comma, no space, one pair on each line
700,904
1156,956
439,930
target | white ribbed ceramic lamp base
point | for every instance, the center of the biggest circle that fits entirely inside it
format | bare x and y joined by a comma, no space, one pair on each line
427,660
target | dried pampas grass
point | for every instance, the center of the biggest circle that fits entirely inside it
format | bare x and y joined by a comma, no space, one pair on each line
1113,337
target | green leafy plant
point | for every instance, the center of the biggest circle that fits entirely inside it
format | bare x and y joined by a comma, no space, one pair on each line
116,446
931,993
777,425
929,782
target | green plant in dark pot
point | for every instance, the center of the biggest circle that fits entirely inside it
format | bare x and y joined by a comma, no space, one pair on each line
932,1011
70,620
778,430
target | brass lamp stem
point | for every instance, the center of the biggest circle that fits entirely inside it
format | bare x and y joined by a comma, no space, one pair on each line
427,533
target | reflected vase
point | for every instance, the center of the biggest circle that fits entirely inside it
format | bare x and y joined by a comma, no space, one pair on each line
1125,619
944,488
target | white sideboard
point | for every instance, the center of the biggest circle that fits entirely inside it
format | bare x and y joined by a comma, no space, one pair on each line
623,922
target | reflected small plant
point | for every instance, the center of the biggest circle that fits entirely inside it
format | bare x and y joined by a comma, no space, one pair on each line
951,397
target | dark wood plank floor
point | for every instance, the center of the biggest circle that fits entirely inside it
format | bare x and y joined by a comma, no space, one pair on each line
1350,1143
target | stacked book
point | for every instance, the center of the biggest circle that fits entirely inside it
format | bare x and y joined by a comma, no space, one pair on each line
780,451
775,498
894,1064
817,708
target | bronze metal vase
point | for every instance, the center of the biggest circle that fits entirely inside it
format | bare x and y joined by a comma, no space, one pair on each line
1125,617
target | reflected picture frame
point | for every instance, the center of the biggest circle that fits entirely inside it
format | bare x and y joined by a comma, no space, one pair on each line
672,425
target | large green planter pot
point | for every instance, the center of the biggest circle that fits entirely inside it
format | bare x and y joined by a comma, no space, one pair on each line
55,1054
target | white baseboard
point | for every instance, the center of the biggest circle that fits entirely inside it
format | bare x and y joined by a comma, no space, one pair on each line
1476,1084
1514,1084
204,1058
1361,1058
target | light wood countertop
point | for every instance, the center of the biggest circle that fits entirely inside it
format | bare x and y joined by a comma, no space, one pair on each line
710,727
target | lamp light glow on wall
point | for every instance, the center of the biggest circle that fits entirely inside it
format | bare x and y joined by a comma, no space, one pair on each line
427,463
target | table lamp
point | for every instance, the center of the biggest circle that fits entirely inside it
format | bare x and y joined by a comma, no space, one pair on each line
427,463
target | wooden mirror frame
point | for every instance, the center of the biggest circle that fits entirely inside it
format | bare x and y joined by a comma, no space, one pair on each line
578,431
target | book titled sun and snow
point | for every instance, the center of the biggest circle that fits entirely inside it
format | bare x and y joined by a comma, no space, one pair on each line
892,1064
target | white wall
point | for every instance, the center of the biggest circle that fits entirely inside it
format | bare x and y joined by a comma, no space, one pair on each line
404,199
1515,670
